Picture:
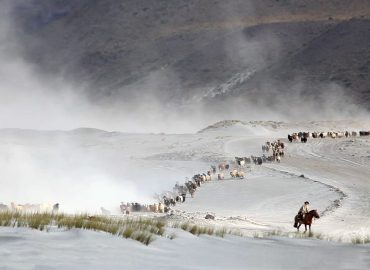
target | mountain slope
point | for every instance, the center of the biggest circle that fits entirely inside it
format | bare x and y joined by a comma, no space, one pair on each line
180,50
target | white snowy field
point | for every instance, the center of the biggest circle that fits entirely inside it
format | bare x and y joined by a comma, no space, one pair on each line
75,249
85,169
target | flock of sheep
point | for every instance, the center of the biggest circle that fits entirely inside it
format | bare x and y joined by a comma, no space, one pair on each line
31,208
179,193
274,151
303,136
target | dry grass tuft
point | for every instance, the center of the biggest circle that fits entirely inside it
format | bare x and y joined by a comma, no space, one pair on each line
208,230
139,229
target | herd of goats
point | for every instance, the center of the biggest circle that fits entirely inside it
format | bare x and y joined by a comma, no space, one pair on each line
272,152
31,208
303,136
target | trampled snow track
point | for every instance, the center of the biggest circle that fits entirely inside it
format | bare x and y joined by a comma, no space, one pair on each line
266,200
342,164
328,184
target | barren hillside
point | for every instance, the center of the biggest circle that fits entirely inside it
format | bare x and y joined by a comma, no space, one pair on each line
189,48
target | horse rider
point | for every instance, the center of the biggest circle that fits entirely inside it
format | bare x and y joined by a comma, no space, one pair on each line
303,210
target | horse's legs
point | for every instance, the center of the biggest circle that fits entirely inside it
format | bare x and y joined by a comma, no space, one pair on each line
299,225
309,227
305,228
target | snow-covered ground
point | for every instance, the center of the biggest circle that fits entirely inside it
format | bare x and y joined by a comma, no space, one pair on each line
85,169
75,249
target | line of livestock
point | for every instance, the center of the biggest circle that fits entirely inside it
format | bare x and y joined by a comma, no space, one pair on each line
303,136
31,208
169,199
272,152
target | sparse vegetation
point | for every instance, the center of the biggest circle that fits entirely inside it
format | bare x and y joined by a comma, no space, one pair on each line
139,229
361,240
143,230
292,235
209,230
319,236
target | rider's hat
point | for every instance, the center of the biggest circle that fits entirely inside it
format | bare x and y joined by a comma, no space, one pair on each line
306,202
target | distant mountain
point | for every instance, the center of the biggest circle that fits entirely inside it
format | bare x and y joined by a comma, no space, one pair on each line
187,50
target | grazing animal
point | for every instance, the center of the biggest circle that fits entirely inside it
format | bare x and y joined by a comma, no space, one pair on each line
153,208
31,208
340,134
241,161
209,216
240,174
259,160
220,176
307,220
221,166
161,207
55,208
233,173
178,199
125,208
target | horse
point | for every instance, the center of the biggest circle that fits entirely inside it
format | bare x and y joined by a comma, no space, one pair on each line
306,221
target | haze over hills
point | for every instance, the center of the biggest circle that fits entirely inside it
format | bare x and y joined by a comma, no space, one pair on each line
210,54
